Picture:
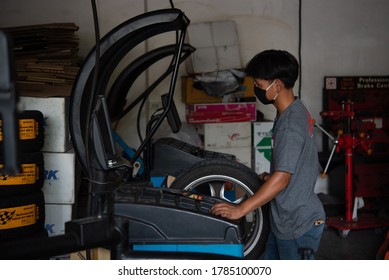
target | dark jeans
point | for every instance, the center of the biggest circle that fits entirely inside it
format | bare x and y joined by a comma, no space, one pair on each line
303,247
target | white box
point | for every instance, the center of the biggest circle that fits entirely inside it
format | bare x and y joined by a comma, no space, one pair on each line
262,142
228,57
203,60
243,154
262,158
217,47
60,177
200,34
224,33
262,134
227,135
56,217
55,112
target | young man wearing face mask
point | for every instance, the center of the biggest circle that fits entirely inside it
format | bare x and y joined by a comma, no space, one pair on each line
296,213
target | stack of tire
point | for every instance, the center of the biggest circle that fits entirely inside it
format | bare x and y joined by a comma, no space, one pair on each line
22,208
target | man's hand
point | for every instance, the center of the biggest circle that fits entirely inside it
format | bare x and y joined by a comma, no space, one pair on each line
226,210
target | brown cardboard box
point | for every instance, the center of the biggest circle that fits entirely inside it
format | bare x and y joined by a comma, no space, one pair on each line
190,95
95,254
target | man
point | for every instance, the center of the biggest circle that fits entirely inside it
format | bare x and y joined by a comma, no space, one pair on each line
296,213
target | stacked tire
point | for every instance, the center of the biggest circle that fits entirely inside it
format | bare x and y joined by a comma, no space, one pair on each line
22,204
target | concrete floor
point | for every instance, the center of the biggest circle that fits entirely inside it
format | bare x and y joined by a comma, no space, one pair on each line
360,244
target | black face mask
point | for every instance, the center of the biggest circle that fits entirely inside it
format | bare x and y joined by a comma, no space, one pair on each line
261,95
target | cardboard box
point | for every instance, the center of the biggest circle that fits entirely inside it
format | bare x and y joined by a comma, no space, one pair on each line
227,135
221,112
262,134
56,217
95,254
226,107
55,112
191,95
262,142
262,159
217,47
243,154
61,177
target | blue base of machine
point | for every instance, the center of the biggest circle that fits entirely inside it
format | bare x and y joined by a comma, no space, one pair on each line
231,250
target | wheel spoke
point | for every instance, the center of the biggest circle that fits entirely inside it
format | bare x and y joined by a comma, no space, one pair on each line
219,188
216,189
239,200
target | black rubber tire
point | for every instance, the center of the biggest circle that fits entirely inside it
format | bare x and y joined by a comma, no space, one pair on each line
209,177
21,215
31,131
30,178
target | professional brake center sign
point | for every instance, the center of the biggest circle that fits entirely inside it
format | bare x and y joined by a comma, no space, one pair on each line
357,82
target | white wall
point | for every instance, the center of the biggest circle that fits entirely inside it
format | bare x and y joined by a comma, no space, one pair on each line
348,37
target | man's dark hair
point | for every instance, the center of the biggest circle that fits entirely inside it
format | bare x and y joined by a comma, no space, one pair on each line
274,64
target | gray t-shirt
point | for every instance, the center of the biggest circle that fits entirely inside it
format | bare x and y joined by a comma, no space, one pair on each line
295,209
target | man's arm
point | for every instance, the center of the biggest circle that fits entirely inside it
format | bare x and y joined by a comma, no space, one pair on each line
272,186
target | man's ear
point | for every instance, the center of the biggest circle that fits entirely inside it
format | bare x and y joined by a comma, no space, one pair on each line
279,84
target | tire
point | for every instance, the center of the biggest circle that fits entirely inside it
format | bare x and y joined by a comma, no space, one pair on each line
209,177
31,131
21,215
30,178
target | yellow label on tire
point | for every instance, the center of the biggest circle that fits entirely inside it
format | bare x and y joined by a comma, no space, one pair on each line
28,129
29,175
20,216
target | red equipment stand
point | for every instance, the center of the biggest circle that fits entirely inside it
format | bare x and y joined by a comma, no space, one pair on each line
349,142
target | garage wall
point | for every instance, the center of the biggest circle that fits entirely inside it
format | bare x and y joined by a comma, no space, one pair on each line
348,37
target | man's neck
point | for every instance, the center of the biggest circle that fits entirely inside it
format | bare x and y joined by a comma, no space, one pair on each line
284,99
